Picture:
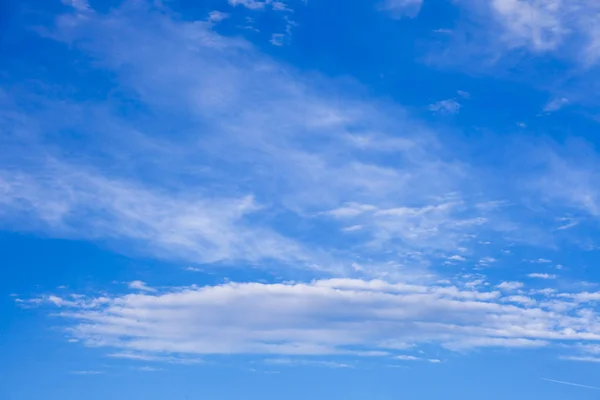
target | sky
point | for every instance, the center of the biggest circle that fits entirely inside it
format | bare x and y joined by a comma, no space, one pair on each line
290,199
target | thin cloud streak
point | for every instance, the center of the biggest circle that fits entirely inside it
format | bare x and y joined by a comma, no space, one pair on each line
571,384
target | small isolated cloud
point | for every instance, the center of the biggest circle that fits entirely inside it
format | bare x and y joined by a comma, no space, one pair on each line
541,261
279,6
556,104
510,286
541,276
413,358
353,228
139,285
486,261
217,16
446,107
250,4
568,223
463,94
147,368
277,39
156,358
295,362
401,8
406,358
87,372
456,257
79,5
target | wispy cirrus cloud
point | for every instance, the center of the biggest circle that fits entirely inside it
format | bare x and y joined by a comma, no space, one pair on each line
401,8
215,187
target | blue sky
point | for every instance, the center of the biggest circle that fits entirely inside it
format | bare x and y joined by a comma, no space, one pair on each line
252,199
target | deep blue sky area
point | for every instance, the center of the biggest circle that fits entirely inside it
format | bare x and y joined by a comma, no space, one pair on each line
287,199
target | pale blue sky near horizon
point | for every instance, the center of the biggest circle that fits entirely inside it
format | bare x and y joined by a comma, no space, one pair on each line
246,199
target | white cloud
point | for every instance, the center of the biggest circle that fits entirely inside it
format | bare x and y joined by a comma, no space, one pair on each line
571,384
298,362
569,179
463,94
533,23
401,8
251,4
198,199
510,286
172,226
353,228
156,358
217,16
528,301
147,368
406,358
326,317
87,372
487,260
541,275
556,104
139,285
79,5
504,29
583,359
277,39
447,107
441,226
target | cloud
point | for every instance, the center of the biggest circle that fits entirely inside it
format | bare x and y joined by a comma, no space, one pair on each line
567,180
507,38
79,5
167,225
542,261
571,384
323,318
406,358
541,275
217,16
401,8
533,23
87,372
457,257
510,286
485,261
174,359
297,362
582,359
217,187
139,285
277,39
250,4
556,104
566,29
413,358
446,107
148,369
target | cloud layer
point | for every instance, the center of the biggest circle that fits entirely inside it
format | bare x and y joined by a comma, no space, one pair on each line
326,318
